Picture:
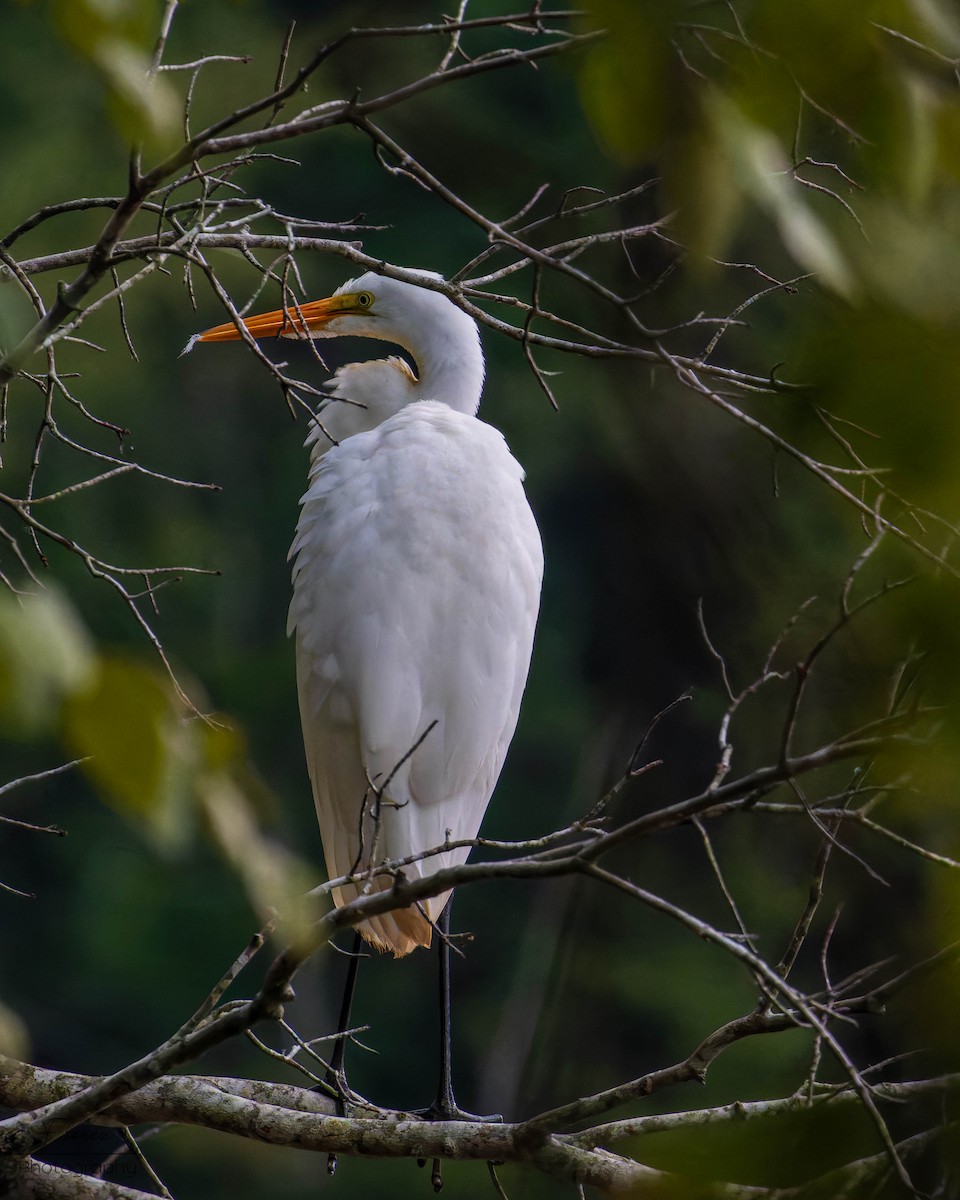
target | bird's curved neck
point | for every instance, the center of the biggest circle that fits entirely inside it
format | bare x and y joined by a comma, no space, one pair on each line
450,371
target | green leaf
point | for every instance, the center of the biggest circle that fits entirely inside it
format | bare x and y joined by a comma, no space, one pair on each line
13,1034
45,655
633,86
116,37
760,165
141,751
721,104
277,882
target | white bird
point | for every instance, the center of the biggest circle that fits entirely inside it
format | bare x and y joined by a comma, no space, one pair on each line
416,585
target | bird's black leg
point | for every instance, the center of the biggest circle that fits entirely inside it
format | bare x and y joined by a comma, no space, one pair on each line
336,1075
445,1107
335,1080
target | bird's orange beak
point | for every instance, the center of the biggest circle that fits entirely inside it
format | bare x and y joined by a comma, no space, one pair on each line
298,321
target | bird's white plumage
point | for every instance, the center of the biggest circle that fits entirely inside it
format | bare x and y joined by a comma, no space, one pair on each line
416,587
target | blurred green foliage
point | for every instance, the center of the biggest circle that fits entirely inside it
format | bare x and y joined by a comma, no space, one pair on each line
725,99
126,725
45,653
146,750
116,37
648,501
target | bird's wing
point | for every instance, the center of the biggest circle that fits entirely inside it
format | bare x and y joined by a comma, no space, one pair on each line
416,589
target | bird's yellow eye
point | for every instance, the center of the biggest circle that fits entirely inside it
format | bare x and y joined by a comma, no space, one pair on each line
364,299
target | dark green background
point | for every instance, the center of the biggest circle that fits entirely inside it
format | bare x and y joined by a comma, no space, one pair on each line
648,499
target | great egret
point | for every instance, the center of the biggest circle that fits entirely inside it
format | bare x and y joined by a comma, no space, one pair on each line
416,585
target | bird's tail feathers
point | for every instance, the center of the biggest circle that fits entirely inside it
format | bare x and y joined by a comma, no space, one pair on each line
399,931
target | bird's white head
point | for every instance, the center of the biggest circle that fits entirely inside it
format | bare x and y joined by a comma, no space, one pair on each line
443,341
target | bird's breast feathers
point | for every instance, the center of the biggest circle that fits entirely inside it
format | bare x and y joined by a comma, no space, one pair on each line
416,589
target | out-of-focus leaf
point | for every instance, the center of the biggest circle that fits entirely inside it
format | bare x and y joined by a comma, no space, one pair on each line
632,84
116,37
45,654
223,746
725,104
829,50
918,270
141,107
763,172
140,751
702,187
931,1005
14,1040
898,378
276,881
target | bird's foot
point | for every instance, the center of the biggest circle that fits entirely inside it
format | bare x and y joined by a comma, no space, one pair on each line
445,1108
